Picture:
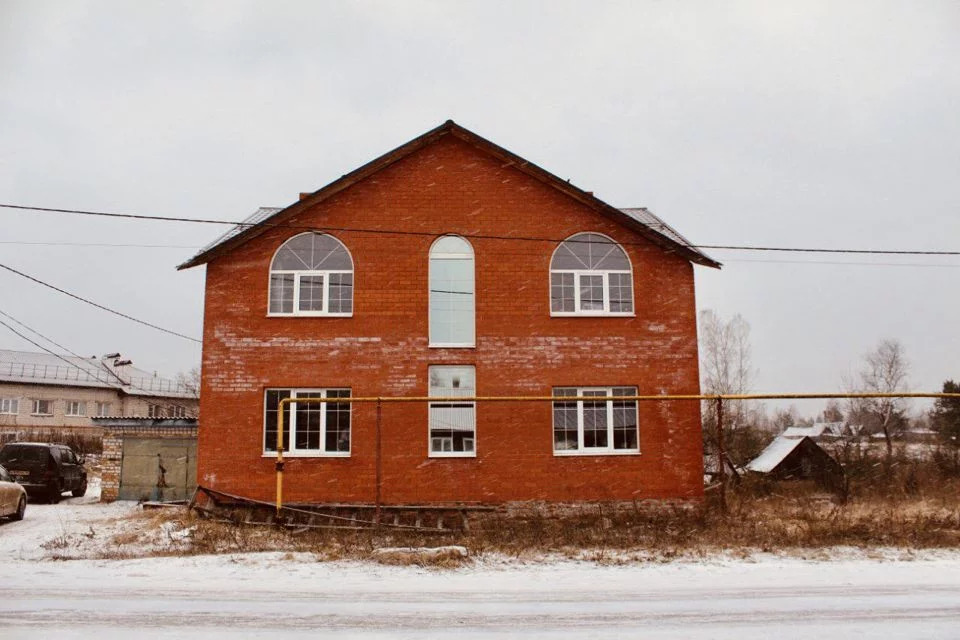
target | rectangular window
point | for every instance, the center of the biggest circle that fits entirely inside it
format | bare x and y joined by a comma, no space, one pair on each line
341,293
76,408
155,411
42,408
281,292
452,424
594,293
9,406
103,409
315,428
596,424
177,411
311,293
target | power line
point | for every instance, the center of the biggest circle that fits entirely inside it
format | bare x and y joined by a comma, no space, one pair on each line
74,354
478,236
98,306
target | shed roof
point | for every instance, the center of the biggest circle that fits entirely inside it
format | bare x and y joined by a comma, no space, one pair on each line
639,220
27,367
775,453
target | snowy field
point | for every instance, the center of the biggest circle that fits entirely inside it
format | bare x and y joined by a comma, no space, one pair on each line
887,594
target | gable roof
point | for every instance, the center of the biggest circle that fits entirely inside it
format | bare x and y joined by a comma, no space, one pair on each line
639,220
775,453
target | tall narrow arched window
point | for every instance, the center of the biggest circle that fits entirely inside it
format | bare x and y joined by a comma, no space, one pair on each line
311,275
590,275
452,293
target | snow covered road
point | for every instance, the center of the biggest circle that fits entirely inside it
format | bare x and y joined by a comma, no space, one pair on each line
277,595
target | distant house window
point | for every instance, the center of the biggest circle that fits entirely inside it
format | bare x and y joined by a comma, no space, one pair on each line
178,411
9,406
42,408
451,283
311,275
76,408
594,426
103,409
155,411
453,424
309,429
590,275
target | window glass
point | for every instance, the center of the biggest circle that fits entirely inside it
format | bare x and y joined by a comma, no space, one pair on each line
597,423
9,406
452,424
311,274
43,407
590,274
315,428
452,293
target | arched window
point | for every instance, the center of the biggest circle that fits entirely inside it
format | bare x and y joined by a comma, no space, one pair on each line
590,274
311,275
451,293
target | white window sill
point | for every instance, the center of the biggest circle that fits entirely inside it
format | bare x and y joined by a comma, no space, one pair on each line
589,452
307,454
453,454
310,315
591,314
41,415
453,346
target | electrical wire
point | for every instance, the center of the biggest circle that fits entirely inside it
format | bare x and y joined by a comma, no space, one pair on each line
664,226
73,353
98,306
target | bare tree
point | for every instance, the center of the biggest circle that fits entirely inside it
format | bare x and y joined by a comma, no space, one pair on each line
725,368
884,370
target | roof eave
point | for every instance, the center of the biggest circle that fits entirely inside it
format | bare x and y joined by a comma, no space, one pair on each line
450,127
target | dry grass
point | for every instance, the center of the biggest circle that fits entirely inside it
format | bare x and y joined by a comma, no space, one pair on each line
780,518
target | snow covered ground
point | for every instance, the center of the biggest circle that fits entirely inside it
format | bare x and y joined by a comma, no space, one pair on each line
271,595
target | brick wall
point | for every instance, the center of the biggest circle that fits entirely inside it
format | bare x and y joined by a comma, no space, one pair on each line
451,187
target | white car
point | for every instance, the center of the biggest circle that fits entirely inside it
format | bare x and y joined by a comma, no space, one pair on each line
13,497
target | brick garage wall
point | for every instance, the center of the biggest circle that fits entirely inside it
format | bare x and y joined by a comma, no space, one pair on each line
111,462
451,187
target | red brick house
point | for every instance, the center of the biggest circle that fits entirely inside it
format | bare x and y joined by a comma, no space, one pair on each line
451,267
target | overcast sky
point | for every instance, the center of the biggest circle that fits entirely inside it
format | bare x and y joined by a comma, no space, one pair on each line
814,124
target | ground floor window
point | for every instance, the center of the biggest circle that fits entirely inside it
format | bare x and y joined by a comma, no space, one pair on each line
9,406
76,408
595,426
314,428
452,424
42,408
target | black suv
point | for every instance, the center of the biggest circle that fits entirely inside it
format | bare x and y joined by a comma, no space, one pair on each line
45,470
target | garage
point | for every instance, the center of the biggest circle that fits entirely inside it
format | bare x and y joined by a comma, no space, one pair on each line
148,458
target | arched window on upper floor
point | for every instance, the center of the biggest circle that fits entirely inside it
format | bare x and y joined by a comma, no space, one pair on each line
311,275
590,275
451,282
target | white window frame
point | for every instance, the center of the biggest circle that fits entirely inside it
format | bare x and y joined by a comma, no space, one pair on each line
9,406
290,426
605,273
177,411
296,295
156,411
451,256
75,409
36,407
581,450
446,404
102,409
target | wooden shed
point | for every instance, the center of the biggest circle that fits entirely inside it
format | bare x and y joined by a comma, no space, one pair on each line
789,458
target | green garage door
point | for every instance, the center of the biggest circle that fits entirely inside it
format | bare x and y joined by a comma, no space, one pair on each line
158,469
